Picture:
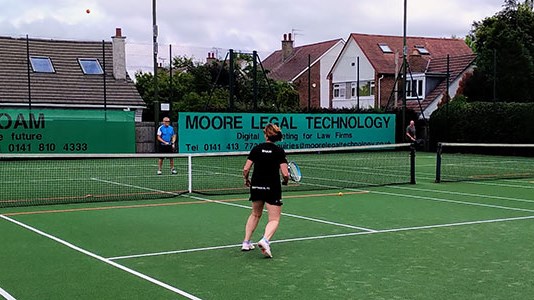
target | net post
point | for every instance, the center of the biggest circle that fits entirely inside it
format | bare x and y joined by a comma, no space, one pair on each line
190,174
412,164
438,163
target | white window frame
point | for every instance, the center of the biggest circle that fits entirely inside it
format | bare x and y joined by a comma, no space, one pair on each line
422,49
99,69
339,90
385,48
36,68
370,83
419,88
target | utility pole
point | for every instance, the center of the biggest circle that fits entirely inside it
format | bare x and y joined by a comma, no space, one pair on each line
404,65
155,53
155,46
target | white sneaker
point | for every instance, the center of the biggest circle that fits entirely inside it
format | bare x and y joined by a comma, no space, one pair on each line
247,246
159,172
265,248
173,171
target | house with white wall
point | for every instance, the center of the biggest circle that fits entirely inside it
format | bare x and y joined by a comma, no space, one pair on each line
367,72
305,66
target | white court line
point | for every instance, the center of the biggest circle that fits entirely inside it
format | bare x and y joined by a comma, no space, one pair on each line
135,186
452,201
328,236
432,176
237,205
463,194
498,184
102,259
285,214
385,193
6,295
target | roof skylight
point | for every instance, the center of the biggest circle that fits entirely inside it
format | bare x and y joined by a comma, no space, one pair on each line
42,64
90,66
385,48
422,49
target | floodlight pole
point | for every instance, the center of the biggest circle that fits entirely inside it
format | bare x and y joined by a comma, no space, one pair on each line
404,65
155,50
155,80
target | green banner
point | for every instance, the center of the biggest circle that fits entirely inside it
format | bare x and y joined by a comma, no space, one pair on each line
229,132
66,131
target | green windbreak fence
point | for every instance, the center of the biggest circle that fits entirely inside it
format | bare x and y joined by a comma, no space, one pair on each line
66,131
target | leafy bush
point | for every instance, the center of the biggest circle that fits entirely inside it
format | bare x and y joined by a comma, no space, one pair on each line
482,122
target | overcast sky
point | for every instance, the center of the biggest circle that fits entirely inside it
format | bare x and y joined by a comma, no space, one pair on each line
198,26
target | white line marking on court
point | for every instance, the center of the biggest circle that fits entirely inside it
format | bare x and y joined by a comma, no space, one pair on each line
499,184
135,186
175,252
453,201
236,205
391,194
432,176
329,236
328,222
285,214
102,259
463,194
6,295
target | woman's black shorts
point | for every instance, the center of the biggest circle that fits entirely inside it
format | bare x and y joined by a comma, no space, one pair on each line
271,195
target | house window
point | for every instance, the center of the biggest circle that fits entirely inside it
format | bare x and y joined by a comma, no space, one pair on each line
339,90
385,48
367,88
422,49
90,66
414,88
41,64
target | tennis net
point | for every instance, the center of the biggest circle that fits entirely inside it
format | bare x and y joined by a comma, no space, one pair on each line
58,179
465,161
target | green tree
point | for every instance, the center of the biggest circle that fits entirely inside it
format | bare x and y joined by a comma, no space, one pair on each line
201,87
504,44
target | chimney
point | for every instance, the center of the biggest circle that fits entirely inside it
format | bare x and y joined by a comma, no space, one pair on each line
210,60
119,55
287,46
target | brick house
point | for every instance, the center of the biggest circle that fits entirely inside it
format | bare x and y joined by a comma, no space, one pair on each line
290,64
373,62
45,73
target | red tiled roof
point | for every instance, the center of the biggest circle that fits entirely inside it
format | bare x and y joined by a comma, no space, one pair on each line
457,65
384,63
298,61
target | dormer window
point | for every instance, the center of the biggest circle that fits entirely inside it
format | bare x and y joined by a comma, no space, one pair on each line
421,49
90,66
385,48
41,64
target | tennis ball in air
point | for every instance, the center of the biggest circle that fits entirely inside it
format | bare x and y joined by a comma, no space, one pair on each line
340,194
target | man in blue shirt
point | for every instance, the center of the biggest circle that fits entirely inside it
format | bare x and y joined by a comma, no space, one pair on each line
166,142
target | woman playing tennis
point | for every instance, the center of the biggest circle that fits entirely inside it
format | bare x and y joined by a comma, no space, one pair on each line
265,187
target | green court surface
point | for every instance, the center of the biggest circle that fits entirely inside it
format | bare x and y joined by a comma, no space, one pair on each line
455,240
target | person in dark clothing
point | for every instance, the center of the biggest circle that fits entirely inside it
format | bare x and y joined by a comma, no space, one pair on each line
269,161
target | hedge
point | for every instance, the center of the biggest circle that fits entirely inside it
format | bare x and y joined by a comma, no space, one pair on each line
483,122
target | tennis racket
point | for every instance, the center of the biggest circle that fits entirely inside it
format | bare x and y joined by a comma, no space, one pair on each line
294,171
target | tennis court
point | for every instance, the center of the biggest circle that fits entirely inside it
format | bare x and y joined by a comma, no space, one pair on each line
455,240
